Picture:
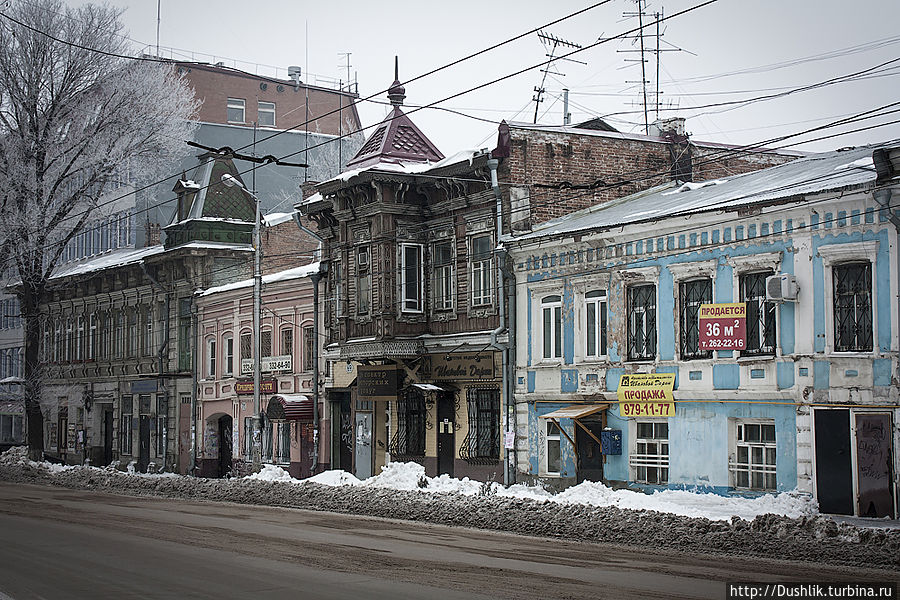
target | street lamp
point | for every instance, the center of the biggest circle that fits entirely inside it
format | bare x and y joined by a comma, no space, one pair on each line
230,181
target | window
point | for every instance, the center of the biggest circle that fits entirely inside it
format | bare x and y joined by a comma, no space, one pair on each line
70,340
228,367
79,340
265,343
483,439
552,448
443,276
753,461
642,322
853,307
287,342
132,335
760,315
235,110
148,330
650,458
551,319
411,277
184,334
692,294
125,431
337,290
211,359
266,114
363,280
266,426
409,440
595,323
92,337
62,425
480,260
248,436
309,340
11,429
118,339
246,350
283,440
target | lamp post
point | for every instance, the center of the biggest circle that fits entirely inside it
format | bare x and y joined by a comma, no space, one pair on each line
230,181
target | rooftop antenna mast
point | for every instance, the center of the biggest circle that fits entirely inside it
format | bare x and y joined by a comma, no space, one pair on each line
158,12
641,14
554,43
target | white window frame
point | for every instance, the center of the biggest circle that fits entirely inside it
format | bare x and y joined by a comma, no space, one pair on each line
211,358
236,104
596,299
269,109
228,346
658,462
549,438
413,303
834,254
752,467
482,270
363,269
551,326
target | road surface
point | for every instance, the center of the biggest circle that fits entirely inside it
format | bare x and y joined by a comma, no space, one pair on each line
71,544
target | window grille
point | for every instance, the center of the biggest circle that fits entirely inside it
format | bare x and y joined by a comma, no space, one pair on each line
760,315
482,442
853,307
409,440
642,322
692,294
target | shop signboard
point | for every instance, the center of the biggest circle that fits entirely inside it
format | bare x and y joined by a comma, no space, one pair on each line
470,366
376,382
646,395
245,386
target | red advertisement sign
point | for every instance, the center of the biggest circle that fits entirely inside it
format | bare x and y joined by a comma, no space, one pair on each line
244,386
723,326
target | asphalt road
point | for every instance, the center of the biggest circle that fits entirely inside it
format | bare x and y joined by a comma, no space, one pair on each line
70,544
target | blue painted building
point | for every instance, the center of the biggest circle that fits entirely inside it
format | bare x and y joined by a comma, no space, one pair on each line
810,403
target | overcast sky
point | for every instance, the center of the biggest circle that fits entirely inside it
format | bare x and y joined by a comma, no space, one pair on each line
732,50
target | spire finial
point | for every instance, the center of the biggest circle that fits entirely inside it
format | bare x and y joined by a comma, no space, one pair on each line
397,93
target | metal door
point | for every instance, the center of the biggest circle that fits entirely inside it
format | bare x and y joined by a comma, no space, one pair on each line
225,449
590,457
144,448
834,479
346,434
363,446
446,434
107,436
874,473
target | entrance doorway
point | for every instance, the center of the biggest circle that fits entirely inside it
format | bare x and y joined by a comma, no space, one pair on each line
225,443
144,446
446,435
107,435
590,457
834,479
363,447
874,471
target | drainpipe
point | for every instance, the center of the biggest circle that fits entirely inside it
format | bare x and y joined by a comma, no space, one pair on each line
500,255
160,355
194,383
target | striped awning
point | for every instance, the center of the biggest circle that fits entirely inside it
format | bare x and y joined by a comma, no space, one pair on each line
290,407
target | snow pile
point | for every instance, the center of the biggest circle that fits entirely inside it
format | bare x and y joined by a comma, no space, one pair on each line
334,478
272,473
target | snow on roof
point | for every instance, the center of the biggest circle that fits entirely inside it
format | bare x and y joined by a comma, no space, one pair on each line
277,218
408,167
317,197
216,246
116,258
287,275
812,174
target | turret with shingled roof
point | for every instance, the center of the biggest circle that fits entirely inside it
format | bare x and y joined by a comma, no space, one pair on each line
396,139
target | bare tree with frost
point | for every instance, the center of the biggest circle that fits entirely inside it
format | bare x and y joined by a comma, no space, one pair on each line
72,111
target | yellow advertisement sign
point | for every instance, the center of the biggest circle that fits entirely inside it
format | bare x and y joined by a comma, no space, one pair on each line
646,395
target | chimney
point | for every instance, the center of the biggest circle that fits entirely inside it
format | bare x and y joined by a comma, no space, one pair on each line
666,127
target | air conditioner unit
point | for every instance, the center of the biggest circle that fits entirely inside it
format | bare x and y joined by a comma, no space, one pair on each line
783,287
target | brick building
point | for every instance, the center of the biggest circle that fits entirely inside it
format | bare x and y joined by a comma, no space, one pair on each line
552,171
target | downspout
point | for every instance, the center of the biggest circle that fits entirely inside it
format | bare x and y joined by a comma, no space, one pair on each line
500,255
194,384
160,355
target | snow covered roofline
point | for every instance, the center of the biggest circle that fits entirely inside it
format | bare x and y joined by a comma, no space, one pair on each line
572,130
277,218
830,171
286,275
116,258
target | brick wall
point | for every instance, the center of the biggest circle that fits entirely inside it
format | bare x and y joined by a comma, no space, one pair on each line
553,173
285,246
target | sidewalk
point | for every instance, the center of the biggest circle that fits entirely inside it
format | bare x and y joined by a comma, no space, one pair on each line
869,522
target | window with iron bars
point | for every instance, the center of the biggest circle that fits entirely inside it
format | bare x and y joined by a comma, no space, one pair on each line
853,307
692,294
650,459
482,443
760,315
409,440
642,322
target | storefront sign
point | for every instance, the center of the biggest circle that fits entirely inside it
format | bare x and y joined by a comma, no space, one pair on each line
723,326
144,386
460,367
646,395
376,382
245,386
267,364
